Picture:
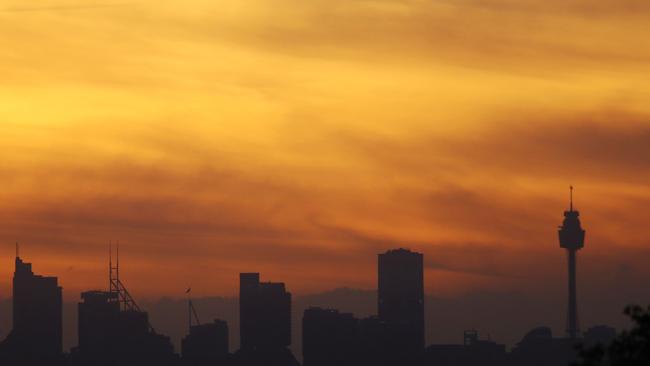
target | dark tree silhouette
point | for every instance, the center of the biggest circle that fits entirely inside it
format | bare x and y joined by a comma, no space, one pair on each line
630,348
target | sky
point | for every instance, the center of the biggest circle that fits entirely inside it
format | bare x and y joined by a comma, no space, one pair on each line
300,139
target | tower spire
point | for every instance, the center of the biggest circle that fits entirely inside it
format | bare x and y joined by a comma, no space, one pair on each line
110,265
570,198
117,267
17,250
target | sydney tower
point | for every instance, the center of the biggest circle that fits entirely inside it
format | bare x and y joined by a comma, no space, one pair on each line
572,238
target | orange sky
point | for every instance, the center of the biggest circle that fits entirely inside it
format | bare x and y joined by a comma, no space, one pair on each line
300,138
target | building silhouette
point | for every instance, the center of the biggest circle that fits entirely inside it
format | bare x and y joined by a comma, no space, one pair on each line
265,323
329,338
572,238
473,351
206,344
394,337
109,335
400,299
36,335
384,343
539,348
264,313
113,330
98,315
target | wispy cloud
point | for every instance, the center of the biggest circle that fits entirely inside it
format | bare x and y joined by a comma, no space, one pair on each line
293,137
21,9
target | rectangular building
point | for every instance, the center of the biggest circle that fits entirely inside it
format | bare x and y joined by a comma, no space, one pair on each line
400,299
264,313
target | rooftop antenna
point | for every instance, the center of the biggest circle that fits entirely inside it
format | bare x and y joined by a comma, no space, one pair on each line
116,286
118,291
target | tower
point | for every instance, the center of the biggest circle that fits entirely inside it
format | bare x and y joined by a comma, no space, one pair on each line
572,238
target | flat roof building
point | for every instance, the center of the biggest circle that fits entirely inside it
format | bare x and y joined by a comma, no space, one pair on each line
265,313
400,300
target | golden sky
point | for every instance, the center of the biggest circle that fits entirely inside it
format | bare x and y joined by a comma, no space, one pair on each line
300,138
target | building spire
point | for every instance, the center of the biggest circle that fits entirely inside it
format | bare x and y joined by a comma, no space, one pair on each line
17,250
570,198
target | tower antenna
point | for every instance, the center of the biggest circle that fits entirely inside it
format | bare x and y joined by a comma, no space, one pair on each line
117,267
110,265
17,250
570,198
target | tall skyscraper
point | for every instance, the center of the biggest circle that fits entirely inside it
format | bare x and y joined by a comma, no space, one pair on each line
572,238
264,313
37,317
401,294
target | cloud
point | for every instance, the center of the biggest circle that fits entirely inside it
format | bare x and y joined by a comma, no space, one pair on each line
20,9
605,146
451,196
293,137
503,35
613,146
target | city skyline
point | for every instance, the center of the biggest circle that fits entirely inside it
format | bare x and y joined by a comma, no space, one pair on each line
400,289
385,182
113,327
